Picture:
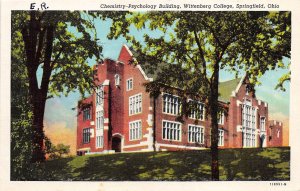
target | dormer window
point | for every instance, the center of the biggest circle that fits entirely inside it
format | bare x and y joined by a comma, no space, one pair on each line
117,80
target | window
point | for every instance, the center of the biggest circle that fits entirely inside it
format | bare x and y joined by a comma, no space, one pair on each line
197,111
221,117
117,80
196,134
86,114
171,131
86,135
135,130
99,129
99,120
221,137
99,95
278,133
99,141
129,84
171,104
247,89
135,104
262,124
249,124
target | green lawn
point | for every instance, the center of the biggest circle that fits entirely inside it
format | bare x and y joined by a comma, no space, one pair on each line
235,164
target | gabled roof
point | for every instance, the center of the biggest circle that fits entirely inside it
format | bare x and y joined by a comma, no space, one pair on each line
226,88
150,70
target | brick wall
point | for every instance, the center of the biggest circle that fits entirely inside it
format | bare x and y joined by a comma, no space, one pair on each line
275,133
82,124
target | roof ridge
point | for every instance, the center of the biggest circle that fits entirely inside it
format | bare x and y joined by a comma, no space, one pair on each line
239,78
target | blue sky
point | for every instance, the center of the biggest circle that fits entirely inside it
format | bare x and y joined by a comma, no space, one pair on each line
59,109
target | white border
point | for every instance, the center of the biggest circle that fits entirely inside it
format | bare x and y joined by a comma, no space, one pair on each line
5,184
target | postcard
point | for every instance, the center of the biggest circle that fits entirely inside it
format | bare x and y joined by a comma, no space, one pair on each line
123,95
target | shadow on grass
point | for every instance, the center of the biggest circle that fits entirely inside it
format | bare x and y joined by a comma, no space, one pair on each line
235,164
255,164
146,166
59,169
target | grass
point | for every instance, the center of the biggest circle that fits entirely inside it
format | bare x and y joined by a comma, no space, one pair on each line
235,164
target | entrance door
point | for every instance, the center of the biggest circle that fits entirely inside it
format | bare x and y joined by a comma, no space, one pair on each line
262,141
116,144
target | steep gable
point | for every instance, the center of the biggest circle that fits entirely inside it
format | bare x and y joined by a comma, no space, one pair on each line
125,55
226,88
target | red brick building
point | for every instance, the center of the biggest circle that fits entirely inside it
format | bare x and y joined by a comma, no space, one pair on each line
120,116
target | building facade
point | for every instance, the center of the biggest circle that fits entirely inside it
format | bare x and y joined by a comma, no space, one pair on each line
120,116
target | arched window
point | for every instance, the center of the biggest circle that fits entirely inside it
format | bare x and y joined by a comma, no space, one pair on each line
117,80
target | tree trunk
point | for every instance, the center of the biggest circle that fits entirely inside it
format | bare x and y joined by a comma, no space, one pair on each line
154,124
34,41
214,123
38,154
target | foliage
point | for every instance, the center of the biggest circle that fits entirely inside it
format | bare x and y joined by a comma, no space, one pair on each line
21,149
21,116
55,46
241,41
74,41
56,151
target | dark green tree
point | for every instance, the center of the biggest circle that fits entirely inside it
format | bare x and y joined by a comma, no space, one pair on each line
55,45
21,115
56,151
195,46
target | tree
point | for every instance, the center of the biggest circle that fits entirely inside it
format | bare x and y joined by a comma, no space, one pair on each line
21,115
55,44
56,151
197,45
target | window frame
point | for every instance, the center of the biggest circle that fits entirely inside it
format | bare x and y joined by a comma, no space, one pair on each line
128,88
138,129
136,104
221,133
249,123
221,120
99,141
86,114
171,110
180,131
264,123
201,134
99,95
117,80
193,112
86,135
99,120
